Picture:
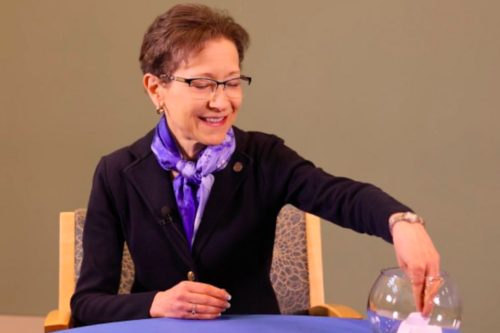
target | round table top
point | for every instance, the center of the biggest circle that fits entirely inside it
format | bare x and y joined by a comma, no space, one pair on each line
234,323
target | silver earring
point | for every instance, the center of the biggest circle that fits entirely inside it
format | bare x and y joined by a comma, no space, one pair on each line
160,110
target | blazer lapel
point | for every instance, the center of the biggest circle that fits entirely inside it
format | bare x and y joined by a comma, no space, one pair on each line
155,187
227,182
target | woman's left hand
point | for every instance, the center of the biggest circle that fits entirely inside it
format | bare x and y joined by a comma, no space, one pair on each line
419,259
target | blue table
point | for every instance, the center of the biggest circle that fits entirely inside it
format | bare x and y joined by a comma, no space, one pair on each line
234,324
237,324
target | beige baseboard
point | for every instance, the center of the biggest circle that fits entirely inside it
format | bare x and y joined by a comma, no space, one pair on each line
21,324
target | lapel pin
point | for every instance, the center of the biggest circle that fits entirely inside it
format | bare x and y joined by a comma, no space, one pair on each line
237,167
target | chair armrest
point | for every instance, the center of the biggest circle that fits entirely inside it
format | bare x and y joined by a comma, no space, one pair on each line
334,310
58,320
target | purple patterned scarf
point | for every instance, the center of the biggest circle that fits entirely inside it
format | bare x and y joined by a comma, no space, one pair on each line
193,184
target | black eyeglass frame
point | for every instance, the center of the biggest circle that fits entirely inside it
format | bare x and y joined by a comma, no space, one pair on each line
217,83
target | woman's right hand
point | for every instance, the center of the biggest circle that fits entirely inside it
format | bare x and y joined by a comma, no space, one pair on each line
179,302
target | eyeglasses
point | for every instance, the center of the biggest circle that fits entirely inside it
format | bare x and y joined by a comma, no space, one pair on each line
204,88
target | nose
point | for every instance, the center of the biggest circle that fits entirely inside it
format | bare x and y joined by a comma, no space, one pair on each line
219,99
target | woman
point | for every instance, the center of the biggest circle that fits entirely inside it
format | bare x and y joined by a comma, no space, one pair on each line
196,195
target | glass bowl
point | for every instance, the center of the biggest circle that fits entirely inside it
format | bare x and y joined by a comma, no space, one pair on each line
391,306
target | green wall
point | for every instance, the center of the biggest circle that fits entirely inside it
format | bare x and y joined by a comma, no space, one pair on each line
402,94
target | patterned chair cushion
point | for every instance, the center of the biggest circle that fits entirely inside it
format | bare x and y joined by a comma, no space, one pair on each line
127,277
289,271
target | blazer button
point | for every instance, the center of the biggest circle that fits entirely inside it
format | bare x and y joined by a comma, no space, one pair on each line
237,167
191,276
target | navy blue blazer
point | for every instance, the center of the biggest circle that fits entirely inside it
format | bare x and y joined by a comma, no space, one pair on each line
132,201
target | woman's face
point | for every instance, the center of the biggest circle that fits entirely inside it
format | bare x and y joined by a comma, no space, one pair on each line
196,123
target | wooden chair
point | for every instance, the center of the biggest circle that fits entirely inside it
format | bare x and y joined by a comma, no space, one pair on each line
296,273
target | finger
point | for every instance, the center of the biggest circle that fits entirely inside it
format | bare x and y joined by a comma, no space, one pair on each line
203,288
433,281
204,309
402,264
195,311
204,316
432,286
201,299
417,276
417,286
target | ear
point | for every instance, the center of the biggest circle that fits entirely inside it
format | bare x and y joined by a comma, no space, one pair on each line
152,84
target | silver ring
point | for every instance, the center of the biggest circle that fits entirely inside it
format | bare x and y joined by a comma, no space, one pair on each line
193,309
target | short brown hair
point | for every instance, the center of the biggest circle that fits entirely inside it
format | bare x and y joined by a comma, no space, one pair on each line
183,31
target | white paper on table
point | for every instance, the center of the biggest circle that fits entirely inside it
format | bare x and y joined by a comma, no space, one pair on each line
416,323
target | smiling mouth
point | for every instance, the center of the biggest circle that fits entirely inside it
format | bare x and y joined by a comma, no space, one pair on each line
214,121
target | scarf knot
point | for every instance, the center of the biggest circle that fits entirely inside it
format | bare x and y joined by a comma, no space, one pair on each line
188,170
